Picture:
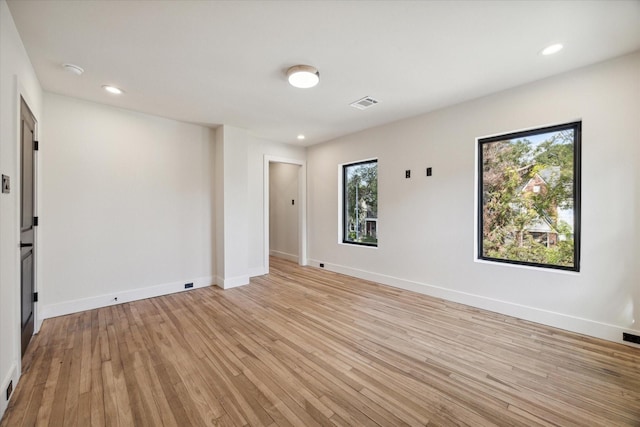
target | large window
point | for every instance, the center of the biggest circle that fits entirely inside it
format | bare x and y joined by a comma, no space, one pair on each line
360,203
529,197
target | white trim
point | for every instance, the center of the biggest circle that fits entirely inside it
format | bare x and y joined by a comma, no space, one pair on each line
284,255
546,317
476,207
18,190
527,129
350,244
232,282
105,300
302,207
12,376
340,203
527,267
257,271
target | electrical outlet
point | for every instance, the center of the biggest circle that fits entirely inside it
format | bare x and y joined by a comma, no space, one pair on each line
407,173
188,285
631,338
9,389
321,265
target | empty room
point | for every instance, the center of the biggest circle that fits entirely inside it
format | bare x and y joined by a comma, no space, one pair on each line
315,213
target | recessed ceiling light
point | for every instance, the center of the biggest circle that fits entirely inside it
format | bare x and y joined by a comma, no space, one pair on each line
550,50
112,89
73,69
301,137
303,76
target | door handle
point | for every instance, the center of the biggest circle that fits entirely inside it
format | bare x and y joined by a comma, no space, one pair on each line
26,245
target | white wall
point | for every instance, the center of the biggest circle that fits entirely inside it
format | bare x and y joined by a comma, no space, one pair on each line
127,206
219,204
283,216
258,149
240,189
426,225
232,148
17,78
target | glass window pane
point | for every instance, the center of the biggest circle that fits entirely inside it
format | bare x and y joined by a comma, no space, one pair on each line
360,192
529,197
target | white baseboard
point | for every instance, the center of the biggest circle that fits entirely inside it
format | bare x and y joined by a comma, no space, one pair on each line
74,306
12,375
284,255
232,282
259,271
550,318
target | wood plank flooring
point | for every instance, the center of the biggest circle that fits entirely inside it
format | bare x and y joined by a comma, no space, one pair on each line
307,347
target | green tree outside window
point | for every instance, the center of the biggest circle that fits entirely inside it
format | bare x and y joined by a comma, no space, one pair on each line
360,192
529,197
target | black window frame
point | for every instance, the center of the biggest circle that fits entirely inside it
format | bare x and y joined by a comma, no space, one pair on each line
577,146
345,217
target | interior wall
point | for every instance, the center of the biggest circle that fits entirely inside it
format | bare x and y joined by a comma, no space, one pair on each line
232,145
219,204
283,215
17,78
240,190
258,149
127,206
427,224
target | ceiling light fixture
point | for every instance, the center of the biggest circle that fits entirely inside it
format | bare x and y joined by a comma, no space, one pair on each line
112,89
73,69
550,50
301,137
303,76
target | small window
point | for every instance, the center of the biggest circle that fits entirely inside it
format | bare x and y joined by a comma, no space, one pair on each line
360,203
529,197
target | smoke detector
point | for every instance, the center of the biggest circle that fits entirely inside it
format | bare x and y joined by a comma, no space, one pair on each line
73,69
364,103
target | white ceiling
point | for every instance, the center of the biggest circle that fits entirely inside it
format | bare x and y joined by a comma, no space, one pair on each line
224,62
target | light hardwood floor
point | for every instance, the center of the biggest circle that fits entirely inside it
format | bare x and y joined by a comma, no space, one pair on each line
306,347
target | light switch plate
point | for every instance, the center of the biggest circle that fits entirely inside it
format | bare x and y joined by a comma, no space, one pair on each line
6,184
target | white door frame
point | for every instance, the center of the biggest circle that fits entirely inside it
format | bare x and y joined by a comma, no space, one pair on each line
302,207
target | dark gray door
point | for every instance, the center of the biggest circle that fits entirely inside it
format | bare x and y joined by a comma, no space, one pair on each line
27,197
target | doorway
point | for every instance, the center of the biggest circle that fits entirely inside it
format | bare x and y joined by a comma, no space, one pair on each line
292,206
283,211
27,222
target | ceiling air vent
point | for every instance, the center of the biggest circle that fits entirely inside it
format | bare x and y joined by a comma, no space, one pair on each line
364,103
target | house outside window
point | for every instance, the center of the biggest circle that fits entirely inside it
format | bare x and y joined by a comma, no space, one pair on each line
360,203
529,197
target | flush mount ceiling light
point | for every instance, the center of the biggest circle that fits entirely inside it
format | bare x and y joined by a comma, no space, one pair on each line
301,137
550,50
303,76
73,69
112,89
